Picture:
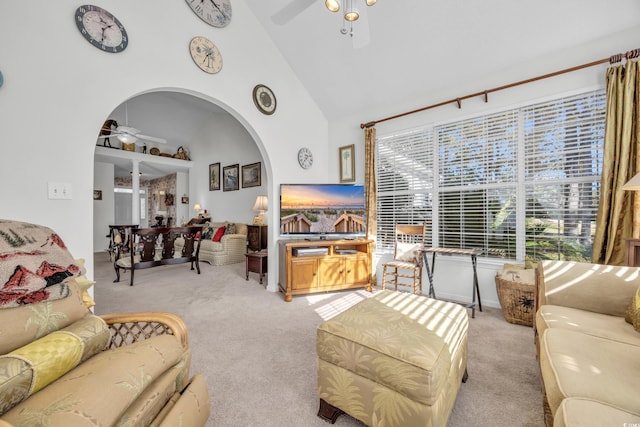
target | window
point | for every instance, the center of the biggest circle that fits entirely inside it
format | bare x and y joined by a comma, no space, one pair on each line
523,182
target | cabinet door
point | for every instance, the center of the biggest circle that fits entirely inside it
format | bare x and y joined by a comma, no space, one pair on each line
331,271
304,273
253,237
357,269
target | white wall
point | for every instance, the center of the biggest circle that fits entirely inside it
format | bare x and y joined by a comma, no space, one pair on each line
58,90
224,140
453,276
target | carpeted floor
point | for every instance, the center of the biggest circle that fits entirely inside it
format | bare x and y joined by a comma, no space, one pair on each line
258,352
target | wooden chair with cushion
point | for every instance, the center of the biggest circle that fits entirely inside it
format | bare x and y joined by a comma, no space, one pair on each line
407,258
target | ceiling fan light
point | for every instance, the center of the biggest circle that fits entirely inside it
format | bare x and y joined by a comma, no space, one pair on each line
126,138
371,2
351,15
332,5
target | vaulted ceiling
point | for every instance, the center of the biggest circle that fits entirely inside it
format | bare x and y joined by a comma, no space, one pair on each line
415,48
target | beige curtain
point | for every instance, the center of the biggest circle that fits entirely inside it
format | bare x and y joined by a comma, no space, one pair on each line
370,188
617,217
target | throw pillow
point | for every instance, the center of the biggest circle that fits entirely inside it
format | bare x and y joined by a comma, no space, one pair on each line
633,311
408,252
219,233
207,232
231,228
36,264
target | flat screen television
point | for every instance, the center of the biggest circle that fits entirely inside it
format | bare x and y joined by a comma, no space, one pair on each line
322,210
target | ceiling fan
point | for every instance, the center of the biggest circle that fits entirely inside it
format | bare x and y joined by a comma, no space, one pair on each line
125,134
349,14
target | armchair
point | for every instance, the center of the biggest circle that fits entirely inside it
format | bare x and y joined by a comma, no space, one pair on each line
62,365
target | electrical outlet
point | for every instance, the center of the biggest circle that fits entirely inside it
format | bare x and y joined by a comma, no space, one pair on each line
60,190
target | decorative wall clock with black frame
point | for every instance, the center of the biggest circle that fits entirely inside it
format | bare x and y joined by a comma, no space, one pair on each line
101,28
216,13
264,99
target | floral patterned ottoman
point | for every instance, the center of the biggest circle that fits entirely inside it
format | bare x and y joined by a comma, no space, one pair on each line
395,359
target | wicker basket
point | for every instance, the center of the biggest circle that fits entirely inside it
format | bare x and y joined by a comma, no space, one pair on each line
516,296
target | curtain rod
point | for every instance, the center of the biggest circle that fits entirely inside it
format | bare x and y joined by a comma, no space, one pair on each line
612,60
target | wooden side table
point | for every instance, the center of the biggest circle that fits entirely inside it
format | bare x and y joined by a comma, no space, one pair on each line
256,262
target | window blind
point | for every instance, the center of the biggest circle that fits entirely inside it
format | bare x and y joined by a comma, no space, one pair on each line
521,182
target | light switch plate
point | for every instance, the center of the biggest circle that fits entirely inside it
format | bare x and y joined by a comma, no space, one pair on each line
60,190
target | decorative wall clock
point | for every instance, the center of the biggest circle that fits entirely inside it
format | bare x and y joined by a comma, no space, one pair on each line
216,13
101,29
305,158
205,54
264,99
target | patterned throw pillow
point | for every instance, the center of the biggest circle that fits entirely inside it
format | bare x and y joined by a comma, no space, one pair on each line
408,252
207,231
36,264
633,311
231,228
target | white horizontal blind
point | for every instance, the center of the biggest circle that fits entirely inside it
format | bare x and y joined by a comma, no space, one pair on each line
524,180
478,176
563,163
405,183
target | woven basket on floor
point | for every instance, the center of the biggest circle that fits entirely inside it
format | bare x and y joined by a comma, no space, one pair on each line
516,296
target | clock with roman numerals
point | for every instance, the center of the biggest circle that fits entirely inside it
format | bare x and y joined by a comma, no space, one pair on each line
101,29
216,13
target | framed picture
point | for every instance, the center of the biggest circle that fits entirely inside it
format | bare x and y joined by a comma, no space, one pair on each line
230,178
97,194
347,163
214,176
185,200
251,175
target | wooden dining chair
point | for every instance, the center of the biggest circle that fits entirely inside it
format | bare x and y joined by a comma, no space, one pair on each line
406,266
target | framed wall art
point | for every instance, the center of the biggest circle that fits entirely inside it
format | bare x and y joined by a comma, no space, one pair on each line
214,176
347,163
184,200
230,178
97,194
251,175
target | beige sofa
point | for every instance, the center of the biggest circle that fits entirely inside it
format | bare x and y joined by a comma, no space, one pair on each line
60,365
589,355
229,250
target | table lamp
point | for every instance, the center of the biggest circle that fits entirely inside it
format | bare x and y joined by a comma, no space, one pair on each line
261,205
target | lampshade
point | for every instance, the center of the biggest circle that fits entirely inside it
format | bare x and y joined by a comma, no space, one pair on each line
371,2
197,207
332,5
261,204
633,184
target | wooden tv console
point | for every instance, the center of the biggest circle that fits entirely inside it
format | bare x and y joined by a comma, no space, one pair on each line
310,266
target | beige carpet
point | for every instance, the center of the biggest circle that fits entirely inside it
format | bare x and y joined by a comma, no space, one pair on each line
258,352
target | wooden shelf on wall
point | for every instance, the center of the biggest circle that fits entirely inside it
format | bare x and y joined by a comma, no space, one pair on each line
114,155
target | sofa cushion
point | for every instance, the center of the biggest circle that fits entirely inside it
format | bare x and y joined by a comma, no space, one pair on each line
574,364
98,391
186,407
582,285
579,412
35,264
587,322
29,369
39,319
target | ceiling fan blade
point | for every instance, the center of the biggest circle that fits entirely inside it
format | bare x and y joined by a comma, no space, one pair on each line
126,129
290,11
152,138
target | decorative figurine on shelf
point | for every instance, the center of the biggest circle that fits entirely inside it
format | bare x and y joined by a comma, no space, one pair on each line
144,148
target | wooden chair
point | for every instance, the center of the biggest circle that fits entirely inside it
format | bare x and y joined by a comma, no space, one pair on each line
407,258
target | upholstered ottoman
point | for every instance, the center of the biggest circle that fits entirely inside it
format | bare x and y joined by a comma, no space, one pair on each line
395,359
